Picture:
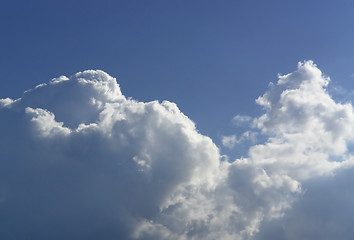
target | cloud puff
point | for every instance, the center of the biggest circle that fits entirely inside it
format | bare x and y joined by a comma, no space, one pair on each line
310,139
308,130
240,119
231,140
80,160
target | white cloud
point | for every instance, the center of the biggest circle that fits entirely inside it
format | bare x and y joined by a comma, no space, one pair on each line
45,124
5,102
229,141
241,119
80,160
308,139
309,142
308,129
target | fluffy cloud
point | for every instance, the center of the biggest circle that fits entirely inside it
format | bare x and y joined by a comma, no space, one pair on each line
310,138
80,160
309,132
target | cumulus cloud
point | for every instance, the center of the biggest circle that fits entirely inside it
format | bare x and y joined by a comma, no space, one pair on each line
80,160
308,130
310,139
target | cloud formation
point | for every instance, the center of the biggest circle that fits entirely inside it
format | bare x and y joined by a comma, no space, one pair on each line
80,160
76,151
309,132
310,140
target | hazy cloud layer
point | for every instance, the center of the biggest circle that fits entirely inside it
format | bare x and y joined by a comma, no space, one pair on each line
81,161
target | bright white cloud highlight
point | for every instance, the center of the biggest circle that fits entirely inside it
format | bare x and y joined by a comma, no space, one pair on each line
308,129
6,102
79,160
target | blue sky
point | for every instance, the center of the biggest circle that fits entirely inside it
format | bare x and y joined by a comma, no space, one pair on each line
91,158
212,58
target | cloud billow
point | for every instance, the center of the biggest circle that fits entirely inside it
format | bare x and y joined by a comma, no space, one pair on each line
81,161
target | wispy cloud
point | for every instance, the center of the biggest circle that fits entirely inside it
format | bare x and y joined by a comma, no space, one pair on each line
241,119
229,141
232,140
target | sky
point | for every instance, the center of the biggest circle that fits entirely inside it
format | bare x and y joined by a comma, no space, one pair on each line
176,119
